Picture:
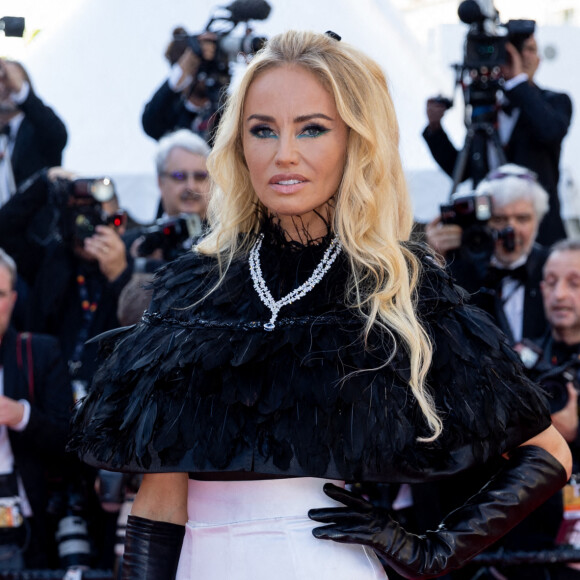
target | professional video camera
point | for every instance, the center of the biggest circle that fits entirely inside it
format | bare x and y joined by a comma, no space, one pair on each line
214,75
487,36
480,77
81,205
170,235
223,25
12,25
472,212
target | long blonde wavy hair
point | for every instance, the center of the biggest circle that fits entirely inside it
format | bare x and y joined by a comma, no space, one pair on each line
373,213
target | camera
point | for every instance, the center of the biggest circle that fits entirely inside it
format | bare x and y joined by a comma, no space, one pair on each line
553,379
487,37
81,202
170,235
12,26
480,73
72,535
472,212
222,26
214,75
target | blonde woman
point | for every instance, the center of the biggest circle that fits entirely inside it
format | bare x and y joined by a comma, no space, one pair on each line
306,343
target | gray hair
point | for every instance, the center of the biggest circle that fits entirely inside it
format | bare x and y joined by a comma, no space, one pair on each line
8,262
510,183
182,138
566,245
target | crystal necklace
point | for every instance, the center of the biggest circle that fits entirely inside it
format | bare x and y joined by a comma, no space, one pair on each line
330,255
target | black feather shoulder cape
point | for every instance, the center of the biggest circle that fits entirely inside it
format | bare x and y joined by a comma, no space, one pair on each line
199,385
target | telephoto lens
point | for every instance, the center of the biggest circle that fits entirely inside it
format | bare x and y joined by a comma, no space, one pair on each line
74,547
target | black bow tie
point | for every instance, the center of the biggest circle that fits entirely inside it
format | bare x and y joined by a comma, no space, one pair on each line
5,130
508,108
496,275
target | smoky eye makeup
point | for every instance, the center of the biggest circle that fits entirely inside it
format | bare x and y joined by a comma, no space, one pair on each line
314,130
262,131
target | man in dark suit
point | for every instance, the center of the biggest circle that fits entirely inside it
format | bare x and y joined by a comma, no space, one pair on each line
191,96
32,135
531,125
507,283
35,403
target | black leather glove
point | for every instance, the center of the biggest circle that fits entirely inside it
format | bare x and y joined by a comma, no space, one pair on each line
529,477
152,549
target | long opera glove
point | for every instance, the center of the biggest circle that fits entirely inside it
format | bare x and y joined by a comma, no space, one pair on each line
152,549
528,478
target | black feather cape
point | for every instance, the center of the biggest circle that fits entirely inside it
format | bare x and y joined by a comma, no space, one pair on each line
202,387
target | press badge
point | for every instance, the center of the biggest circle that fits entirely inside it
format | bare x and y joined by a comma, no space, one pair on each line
10,512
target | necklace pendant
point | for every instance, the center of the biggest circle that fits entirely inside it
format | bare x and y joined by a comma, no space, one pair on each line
262,290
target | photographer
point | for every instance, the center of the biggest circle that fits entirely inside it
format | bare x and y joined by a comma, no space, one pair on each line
32,135
35,403
554,359
190,97
184,185
532,123
76,271
560,346
506,280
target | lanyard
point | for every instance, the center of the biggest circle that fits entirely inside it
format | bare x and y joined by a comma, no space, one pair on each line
89,308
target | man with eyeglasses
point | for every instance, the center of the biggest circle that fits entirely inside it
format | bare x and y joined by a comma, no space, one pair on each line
507,283
184,186
532,123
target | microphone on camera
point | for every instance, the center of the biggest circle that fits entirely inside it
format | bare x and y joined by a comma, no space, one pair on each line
470,12
244,10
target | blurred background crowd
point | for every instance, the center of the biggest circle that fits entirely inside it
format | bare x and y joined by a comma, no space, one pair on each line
80,241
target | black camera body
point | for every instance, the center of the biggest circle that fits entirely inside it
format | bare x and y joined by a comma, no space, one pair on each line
81,204
553,379
214,75
487,36
170,235
485,50
484,54
238,11
472,211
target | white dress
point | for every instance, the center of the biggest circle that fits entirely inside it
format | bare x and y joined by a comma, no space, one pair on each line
260,530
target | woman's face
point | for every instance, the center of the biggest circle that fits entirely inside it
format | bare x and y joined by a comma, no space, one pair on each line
294,143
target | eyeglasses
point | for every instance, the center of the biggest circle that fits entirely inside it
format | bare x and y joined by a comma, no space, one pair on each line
181,176
528,176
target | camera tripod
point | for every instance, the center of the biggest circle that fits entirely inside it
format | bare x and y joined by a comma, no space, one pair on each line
481,135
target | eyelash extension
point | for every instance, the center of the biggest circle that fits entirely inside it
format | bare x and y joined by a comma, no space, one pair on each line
315,127
258,130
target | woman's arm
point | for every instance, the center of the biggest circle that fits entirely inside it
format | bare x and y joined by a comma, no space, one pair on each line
553,442
533,472
162,497
155,528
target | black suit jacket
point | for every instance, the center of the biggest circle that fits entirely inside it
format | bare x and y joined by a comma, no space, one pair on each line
40,139
485,295
39,448
50,270
535,143
166,112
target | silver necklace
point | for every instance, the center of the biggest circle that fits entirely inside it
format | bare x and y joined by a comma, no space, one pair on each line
330,255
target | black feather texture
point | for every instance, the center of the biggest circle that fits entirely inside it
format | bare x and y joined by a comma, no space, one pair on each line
200,386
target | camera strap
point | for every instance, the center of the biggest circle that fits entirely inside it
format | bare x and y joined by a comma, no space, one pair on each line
22,353
89,308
